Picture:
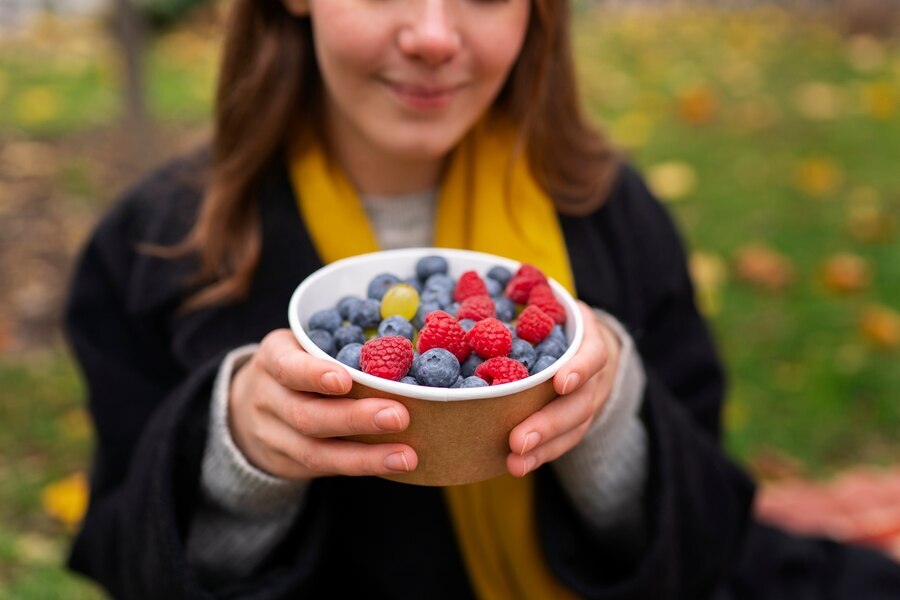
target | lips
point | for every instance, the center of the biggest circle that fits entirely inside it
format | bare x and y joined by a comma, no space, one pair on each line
423,96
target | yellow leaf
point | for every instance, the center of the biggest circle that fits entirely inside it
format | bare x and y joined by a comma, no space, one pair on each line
818,101
708,272
880,326
66,500
38,105
37,549
672,180
879,100
845,273
818,177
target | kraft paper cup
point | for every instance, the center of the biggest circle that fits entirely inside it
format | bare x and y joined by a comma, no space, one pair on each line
460,435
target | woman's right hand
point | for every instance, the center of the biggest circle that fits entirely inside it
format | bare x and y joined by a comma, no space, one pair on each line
286,411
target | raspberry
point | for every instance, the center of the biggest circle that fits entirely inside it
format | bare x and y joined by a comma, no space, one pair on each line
469,284
521,284
490,338
387,357
476,308
542,296
501,369
533,325
443,331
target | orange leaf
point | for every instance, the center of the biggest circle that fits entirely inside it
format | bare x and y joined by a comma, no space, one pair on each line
697,105
66,500
763,267
880,326
845,273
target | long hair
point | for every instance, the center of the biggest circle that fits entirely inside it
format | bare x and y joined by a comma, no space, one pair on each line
269,86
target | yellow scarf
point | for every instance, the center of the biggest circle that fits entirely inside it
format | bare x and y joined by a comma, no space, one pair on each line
490,203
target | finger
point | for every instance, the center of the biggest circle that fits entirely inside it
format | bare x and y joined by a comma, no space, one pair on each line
311,457
332,417
286,361
519,465
556,418
588,361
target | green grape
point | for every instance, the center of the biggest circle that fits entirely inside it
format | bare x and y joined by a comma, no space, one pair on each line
402,299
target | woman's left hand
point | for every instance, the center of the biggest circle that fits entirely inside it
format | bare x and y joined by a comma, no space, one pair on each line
583,385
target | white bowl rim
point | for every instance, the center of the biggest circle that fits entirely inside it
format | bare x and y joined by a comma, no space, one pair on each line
426,392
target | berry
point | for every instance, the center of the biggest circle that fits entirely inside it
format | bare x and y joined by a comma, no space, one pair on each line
469,284
345,306
366,314
493,286
473,382
490,338
323,340
533,325
467,324
551,347
542,363
424,310
437,368
467,369
396,326
329,320
520,285
440,281
431,265
458,382
558,334
443,331
414,282
402,299
542,296
349,355
387,357
437,295
501,369
380,284
348,334
476,308
409,379
523,352
453,308
505,309
501,275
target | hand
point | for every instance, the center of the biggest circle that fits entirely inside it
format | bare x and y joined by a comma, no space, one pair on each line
583,385
283,423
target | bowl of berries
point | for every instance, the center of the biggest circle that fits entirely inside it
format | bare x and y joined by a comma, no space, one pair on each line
467,341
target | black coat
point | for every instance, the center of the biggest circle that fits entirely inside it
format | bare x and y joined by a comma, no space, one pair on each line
149,370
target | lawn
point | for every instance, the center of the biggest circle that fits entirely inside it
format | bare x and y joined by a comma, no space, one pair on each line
771,138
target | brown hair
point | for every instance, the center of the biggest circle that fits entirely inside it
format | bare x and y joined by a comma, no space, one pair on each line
269,86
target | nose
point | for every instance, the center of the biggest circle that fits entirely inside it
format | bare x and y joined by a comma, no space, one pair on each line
431,34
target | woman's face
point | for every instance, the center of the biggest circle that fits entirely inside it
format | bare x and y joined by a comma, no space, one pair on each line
410,77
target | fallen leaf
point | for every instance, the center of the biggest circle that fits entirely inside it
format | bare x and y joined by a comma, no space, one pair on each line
697,105
865,53
708,272
672,180
38,105
37,549
818,101
845,273
66,500
879,100
866,218
763,267
818,177
880,326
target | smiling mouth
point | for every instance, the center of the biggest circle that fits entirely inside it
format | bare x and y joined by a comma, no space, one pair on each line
423,97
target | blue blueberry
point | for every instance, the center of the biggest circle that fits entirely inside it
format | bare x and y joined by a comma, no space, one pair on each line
380,284
473,382
550,347
467,324
440,281
323,340
505,308
436,368
431,265
467,369
414,281
453,308
493,287
409,379
366,314
458,382
557,333
502,275
437,295
346,304
349,355
422,312
348,334
523,352
396,325
542,363
328,319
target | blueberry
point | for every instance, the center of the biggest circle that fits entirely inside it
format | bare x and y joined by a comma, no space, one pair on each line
512,330
550,347
348,334
453,308
467,324
424,309
380,284
505,308
349,355
440,281
409,379
557,333
542,363
523,352
414,281
323,340
437,295
396,325
458,382
437,368
473,382
366,314
431,265
467,369
493,287
346,304
501,275
328,319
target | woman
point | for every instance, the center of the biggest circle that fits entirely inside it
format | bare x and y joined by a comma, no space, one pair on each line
342,126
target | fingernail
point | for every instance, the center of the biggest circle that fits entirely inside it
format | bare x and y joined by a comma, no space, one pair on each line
388,419
332,383
570,383
532,439
530,462
397,462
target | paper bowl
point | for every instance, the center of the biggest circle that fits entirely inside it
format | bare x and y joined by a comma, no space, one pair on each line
460,435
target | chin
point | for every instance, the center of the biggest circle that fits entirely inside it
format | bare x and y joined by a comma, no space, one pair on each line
421,145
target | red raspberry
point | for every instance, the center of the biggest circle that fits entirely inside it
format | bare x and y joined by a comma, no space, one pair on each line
533,324
388,357
476,308
443,331
521,284
501,369
469,284
490,338
542,297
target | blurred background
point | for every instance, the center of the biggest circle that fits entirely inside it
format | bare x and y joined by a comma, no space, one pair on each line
771,132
